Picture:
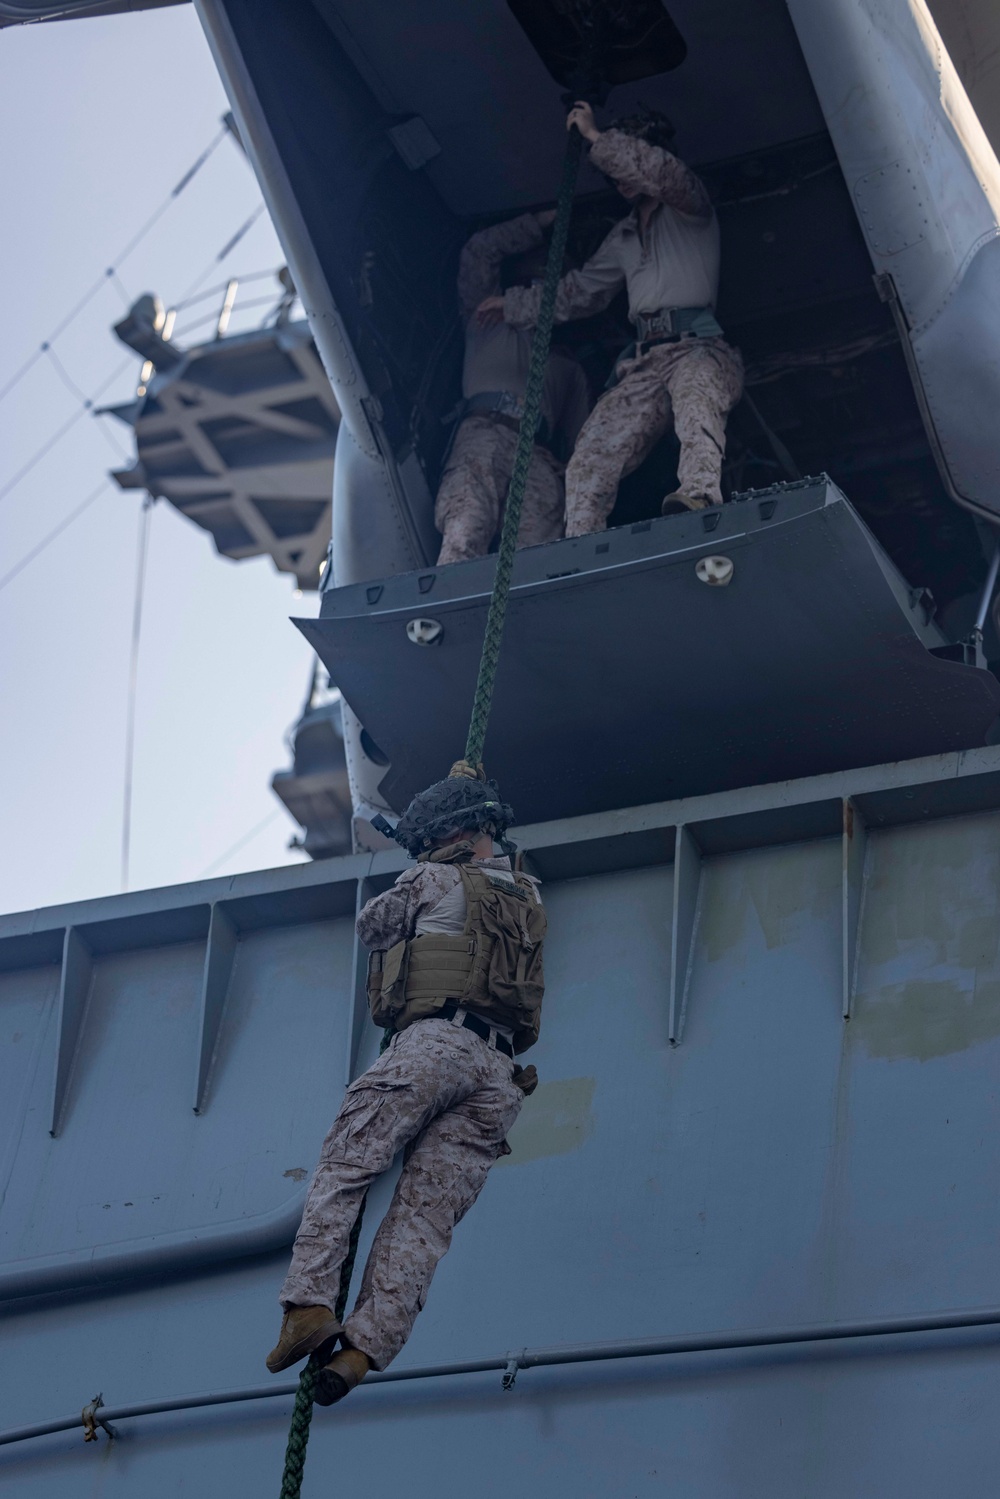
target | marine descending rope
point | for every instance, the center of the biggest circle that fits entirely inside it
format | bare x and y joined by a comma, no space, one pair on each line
298,1436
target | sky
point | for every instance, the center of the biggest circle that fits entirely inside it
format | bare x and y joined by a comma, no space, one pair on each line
100,120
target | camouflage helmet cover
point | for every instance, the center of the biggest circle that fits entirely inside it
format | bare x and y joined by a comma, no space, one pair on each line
456,804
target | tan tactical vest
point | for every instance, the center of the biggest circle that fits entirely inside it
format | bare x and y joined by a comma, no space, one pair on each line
493,967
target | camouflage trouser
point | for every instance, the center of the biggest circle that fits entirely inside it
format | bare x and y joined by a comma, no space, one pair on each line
448,1095
698,381
474,487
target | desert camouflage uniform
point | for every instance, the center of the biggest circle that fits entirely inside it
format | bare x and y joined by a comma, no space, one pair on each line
698,381
672,262
473,487
442,1092
397,914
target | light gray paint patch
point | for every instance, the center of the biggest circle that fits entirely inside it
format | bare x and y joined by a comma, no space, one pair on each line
929,980
556,1119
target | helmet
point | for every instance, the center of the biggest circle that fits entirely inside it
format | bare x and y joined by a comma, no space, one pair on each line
459,803
650,125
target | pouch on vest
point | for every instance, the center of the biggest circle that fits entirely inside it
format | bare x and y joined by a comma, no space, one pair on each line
514,924
373,986
395,965
494,966
377,1007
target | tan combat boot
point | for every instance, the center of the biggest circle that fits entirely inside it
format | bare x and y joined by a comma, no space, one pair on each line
303,1330
343,1373
678,502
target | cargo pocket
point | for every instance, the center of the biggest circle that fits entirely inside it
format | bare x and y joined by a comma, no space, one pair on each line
365,1132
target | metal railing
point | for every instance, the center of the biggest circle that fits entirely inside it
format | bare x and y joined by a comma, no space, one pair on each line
209,312
509,1364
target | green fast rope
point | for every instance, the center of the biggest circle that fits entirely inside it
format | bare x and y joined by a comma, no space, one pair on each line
302,1411
540,345
298,1436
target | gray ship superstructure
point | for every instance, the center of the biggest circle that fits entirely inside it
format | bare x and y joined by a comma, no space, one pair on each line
745,1243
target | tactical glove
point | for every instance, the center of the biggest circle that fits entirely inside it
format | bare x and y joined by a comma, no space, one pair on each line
525,1078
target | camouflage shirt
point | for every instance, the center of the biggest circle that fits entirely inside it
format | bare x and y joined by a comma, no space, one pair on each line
497,358
394,915
672,261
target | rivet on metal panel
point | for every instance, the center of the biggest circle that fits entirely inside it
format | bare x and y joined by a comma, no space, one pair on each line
854,844
74,991
220,955
687,885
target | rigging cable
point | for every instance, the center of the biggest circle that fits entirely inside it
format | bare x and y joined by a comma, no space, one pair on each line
74,390
259,827
111,273
53,535
88,401
60,432
142,551
227,247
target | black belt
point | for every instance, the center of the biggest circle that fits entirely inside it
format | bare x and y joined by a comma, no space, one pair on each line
474,1024
504,407
668,326
671,323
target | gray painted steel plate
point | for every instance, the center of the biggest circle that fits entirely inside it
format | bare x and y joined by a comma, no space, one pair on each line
625,679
